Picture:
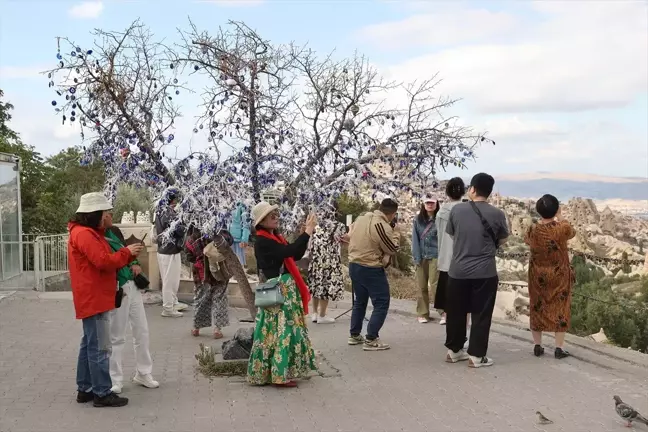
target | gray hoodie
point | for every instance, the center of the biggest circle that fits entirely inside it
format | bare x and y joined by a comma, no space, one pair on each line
444,239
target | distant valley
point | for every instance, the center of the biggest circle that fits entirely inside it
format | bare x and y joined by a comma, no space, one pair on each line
565,186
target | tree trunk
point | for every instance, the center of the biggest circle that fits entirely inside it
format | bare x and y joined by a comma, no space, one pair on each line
234,265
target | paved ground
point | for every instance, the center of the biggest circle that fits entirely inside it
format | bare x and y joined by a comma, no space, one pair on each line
409,388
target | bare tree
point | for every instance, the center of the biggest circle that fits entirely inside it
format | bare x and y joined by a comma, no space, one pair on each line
248,108
121,94
364,130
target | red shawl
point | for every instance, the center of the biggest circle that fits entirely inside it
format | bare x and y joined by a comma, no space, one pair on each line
292,268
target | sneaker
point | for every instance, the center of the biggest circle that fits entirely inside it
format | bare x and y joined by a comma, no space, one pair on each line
443,321
423,320
314,317
356,340
454,357
84,397
145,380
116,388
477,362
325,320
180,307
172,314
560,353
110,400
375,345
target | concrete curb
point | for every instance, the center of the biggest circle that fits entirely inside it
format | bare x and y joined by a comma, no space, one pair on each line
520,332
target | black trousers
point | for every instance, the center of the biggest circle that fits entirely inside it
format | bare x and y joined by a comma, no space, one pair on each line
474,296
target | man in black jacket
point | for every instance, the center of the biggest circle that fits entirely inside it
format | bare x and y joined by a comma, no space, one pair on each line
170,241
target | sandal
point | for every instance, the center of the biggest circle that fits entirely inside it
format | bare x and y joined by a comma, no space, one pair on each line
218,334
195,332
289,384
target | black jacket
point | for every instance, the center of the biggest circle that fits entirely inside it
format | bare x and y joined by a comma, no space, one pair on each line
163,220
270,255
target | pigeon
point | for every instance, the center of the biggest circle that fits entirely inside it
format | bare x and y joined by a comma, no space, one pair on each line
627,413
542,419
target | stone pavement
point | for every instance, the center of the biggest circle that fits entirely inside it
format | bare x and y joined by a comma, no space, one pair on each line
409,388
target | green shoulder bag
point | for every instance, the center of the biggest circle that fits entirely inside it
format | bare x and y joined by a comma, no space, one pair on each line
268,294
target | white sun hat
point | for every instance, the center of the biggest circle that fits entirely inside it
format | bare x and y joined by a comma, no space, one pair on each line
261,210
93,202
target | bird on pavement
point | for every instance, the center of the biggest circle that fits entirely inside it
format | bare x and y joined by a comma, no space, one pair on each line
627,413
542,419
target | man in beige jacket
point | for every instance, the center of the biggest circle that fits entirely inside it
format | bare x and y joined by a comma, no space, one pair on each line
372,243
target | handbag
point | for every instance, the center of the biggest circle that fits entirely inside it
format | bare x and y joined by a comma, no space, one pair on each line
141,281
119,296
268,294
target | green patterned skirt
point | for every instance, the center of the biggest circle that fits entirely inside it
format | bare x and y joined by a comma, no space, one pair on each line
282,350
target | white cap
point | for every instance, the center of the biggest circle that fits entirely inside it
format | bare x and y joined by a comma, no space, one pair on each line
93,202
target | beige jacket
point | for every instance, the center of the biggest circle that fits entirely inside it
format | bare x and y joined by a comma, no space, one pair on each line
372,240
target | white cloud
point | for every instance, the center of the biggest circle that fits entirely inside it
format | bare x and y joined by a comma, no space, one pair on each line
516,128
236,3
439,29
86,10
571,56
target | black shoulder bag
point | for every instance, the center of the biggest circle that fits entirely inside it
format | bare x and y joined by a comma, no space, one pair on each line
485,224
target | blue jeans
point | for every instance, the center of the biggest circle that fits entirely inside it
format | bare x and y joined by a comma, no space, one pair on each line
369,283
93,367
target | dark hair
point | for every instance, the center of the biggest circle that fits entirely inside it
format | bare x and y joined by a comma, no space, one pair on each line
547,206
455,188
90,220
423,216
388,206
483,184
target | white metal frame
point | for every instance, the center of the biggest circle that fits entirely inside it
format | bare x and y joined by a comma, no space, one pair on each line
50,258
10,159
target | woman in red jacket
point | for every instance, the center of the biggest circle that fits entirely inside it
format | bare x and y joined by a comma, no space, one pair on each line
93,276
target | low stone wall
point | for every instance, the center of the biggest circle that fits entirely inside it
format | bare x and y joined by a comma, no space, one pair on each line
512,301
59,282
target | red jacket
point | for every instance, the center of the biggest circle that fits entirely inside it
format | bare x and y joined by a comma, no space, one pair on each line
93,270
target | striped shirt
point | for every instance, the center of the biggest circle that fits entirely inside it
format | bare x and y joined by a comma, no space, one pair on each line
371,238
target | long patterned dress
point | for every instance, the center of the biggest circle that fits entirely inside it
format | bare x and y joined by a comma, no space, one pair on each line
325,279
282,351
551,277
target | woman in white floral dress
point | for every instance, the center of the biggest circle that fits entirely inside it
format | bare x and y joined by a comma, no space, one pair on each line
325,280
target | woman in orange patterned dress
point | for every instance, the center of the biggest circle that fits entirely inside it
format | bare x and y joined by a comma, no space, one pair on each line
550,275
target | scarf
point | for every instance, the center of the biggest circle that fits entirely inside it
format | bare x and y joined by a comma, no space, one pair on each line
124,274
291,266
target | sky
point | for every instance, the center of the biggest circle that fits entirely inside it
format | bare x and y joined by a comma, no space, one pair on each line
561,86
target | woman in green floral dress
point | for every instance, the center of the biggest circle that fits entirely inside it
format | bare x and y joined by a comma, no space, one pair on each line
282,351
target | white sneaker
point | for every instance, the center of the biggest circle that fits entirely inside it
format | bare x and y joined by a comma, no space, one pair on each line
314,317
180,307
146,381
443,321
454,357
325,320
172,314
116,388
477,362
422,320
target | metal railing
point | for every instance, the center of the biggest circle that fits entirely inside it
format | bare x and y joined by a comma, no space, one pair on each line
50,257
